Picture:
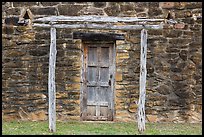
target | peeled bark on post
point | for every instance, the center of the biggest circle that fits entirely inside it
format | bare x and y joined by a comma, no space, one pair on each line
143,72
51,81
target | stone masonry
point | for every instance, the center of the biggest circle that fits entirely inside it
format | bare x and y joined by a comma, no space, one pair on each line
174,62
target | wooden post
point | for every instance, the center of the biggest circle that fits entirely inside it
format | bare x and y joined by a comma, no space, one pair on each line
51,81
143,72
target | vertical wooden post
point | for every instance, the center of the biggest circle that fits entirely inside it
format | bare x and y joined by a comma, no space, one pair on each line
143,72
51,81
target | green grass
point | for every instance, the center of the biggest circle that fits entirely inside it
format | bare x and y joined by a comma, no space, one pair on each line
98,128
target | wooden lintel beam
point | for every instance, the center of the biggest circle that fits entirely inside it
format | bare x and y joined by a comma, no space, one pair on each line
98,36
101,26
94,18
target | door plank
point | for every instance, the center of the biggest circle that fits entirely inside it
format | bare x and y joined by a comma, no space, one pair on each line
92,73
104,74
92,56
101,103
105,56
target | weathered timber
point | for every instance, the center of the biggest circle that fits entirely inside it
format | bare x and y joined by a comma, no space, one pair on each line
100,26
98,36
51,81
98,81
143,72
94,18
112,78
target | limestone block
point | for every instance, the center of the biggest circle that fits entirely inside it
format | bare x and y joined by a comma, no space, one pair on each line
180,5
118,76
99,4
166,5
38,116
122,55
69,9
193,5
179,26
21,4
43,11
152,118
12,21
8,30
113,9
91,11
49,3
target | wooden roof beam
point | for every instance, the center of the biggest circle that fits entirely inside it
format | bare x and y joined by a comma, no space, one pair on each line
100,26
94,18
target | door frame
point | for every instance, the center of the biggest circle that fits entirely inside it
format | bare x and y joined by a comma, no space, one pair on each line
83,90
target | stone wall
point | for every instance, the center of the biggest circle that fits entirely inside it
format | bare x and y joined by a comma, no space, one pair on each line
174,63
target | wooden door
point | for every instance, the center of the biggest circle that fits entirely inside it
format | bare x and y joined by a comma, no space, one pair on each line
98,81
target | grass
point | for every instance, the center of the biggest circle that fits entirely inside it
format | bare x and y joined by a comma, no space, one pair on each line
98,128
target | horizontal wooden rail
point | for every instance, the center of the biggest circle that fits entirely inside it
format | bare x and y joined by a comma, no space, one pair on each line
100,26
94,18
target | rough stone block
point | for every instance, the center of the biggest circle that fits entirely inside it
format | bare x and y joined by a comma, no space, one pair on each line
193,5
44,11
70,10
12,21
13,11
172,33
99,4
50,3
164,89
8,29
126,7
61,95
155,32
188,20
152,118
179,41
179,26
133,39
196,27
154,12
180,5
21,4
112,10
118,77
122,55
91,11
74,86
196,58
166,5
183,54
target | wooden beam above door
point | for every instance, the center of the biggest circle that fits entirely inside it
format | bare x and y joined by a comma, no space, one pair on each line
98,36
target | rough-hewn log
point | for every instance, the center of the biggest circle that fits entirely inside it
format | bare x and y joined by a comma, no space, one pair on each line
94,18
98,36
101,26
51,81
143,72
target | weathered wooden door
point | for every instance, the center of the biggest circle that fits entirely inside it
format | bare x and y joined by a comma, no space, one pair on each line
98,81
